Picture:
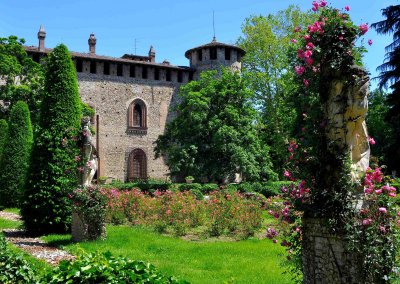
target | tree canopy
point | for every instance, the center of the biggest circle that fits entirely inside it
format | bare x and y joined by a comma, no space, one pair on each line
390,77
267,41
214,134
22,77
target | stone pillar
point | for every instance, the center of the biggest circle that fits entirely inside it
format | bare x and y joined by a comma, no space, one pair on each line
325,255
325,259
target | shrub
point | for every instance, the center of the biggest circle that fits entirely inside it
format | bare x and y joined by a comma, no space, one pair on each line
17,151
223,213
103,268
14,269
3,136
90,205
53,171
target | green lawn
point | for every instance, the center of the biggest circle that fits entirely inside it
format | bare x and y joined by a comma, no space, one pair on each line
8,224
250,261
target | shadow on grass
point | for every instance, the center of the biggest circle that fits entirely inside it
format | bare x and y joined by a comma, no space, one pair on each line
58,240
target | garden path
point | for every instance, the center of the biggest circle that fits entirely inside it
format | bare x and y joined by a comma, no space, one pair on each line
33,246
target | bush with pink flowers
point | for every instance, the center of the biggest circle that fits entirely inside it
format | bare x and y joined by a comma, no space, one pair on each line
222,213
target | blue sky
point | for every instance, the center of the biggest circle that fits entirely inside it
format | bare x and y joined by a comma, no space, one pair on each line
172,27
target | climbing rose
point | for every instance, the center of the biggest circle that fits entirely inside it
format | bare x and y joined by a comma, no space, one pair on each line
370,41
310,45
293,40
371,141
299,70
306,83
363,28
307,53
322,3
366,222
297,29
382,209
347,8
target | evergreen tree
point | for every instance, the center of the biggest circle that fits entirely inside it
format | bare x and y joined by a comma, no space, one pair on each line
53,171
3,136
16,155
214,135
390,77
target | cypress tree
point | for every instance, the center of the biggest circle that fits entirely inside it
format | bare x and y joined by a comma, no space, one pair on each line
16,155
3,136
53,171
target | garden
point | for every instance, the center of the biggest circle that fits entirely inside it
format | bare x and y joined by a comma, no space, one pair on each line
312,206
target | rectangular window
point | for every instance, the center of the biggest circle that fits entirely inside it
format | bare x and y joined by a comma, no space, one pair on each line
93,67
213,53
36,57
132,71
79,65
156,74
180,76
227,53
144,72
119,69
199,55
168,75
106,68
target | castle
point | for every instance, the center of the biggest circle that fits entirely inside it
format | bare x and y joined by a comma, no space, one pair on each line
133,97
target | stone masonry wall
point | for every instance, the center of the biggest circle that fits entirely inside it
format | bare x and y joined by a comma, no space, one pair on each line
111,97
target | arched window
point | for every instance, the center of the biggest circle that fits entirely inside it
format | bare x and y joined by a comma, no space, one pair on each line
137,115
137,165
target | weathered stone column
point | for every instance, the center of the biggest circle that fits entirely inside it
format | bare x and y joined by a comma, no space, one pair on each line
326,259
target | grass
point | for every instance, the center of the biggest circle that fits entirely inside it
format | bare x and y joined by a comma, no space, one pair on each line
8,224
250,261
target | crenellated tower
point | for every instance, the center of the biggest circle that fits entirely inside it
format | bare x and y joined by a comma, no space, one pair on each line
214,55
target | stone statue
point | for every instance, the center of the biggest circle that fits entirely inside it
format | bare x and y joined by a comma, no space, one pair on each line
346,109
89,153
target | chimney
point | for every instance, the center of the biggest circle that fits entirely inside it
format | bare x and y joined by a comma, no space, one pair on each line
41,36
152,54
92,44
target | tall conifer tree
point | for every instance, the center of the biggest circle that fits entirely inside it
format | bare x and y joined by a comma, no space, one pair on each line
53,171
16,155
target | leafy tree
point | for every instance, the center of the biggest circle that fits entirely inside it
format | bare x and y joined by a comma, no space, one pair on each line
214,135
22,77
16,155
53,172
3,136
378,127
390,77
267,41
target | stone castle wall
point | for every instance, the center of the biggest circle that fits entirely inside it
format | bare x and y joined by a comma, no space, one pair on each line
111,96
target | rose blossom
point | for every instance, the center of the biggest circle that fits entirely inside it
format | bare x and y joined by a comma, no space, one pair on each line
382,209
363,28
347,8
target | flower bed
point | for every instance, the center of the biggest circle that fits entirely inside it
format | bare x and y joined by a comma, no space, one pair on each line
221,213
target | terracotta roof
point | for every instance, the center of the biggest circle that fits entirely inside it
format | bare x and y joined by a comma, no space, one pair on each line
213,43
34,49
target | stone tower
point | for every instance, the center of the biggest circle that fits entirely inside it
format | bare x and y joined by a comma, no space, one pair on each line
213,55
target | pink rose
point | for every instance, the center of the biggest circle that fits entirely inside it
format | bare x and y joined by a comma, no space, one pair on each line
299,70
371,141
382,210
370,41
306,83
366,222
363,28
347,8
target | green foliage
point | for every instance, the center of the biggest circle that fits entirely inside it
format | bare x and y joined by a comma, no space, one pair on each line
103,268
3,136
266,40
87,110
267,189
214,135
16,157
90,205
23,77
378,127
53,170
14,269
389,77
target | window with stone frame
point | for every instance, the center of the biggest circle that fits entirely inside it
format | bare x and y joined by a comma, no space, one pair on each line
137,165
137,115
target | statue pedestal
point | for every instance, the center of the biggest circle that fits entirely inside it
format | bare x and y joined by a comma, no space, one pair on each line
325,258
